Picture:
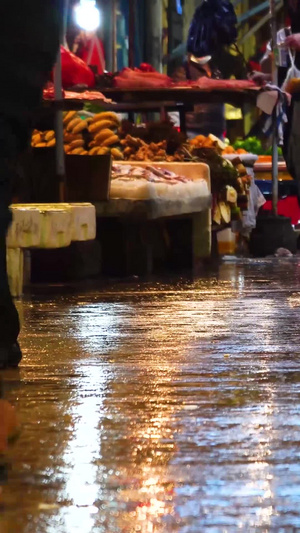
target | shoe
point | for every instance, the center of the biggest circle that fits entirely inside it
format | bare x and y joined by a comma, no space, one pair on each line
10,356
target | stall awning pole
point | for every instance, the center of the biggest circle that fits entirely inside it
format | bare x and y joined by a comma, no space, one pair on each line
59,129
275,125
114,36
59,132
131,54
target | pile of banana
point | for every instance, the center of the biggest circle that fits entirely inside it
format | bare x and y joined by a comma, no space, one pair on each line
92,136
74,126
104,130
43,139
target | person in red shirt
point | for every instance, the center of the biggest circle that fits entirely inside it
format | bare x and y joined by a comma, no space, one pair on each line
89,47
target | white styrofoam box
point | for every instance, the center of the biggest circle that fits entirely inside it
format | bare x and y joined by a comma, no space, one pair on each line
193,171
83,222
139,189
25,229
55,221
135,189
51,225
56,226
15,265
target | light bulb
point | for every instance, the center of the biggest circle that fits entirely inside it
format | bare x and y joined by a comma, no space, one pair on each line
87,15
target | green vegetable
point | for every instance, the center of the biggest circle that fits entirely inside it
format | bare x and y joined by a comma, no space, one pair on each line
93,107
238,144
254,146
270,151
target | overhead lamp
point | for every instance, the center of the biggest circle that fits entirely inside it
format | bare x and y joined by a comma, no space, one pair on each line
87,15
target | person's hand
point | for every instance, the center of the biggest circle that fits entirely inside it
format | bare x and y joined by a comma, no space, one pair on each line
293,42
260,77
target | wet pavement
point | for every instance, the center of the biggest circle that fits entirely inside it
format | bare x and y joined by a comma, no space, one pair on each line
159,407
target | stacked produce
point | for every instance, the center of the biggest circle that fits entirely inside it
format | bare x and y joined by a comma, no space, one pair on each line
229,150
229,179
211,141
253,145
96,135
156,141
103,129
74,127
43,139
135,149
232,199
207,142
103,134
230,184
250,145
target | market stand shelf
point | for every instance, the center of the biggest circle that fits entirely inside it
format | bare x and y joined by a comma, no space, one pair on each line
151,209
188,95
156,231
164,96
160,99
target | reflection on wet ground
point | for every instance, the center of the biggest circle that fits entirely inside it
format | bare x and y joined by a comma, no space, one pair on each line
160,407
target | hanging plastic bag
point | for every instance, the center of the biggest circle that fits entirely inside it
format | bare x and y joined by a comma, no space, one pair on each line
75,71
292,74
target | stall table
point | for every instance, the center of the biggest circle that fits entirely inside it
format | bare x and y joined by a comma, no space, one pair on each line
138,236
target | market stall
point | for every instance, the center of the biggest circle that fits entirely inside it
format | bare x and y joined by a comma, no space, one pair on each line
86,143
139,181
138,193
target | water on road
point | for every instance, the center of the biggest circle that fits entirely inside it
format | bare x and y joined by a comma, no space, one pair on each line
159,407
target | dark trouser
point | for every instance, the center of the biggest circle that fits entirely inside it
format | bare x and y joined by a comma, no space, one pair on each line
11,143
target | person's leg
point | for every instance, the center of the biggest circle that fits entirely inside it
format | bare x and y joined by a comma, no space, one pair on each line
10,354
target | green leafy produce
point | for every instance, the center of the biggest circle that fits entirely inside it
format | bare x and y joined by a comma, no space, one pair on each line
270,151
254,146
236,212
93,107
251,145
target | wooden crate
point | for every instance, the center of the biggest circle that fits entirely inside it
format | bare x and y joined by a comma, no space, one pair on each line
88,178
